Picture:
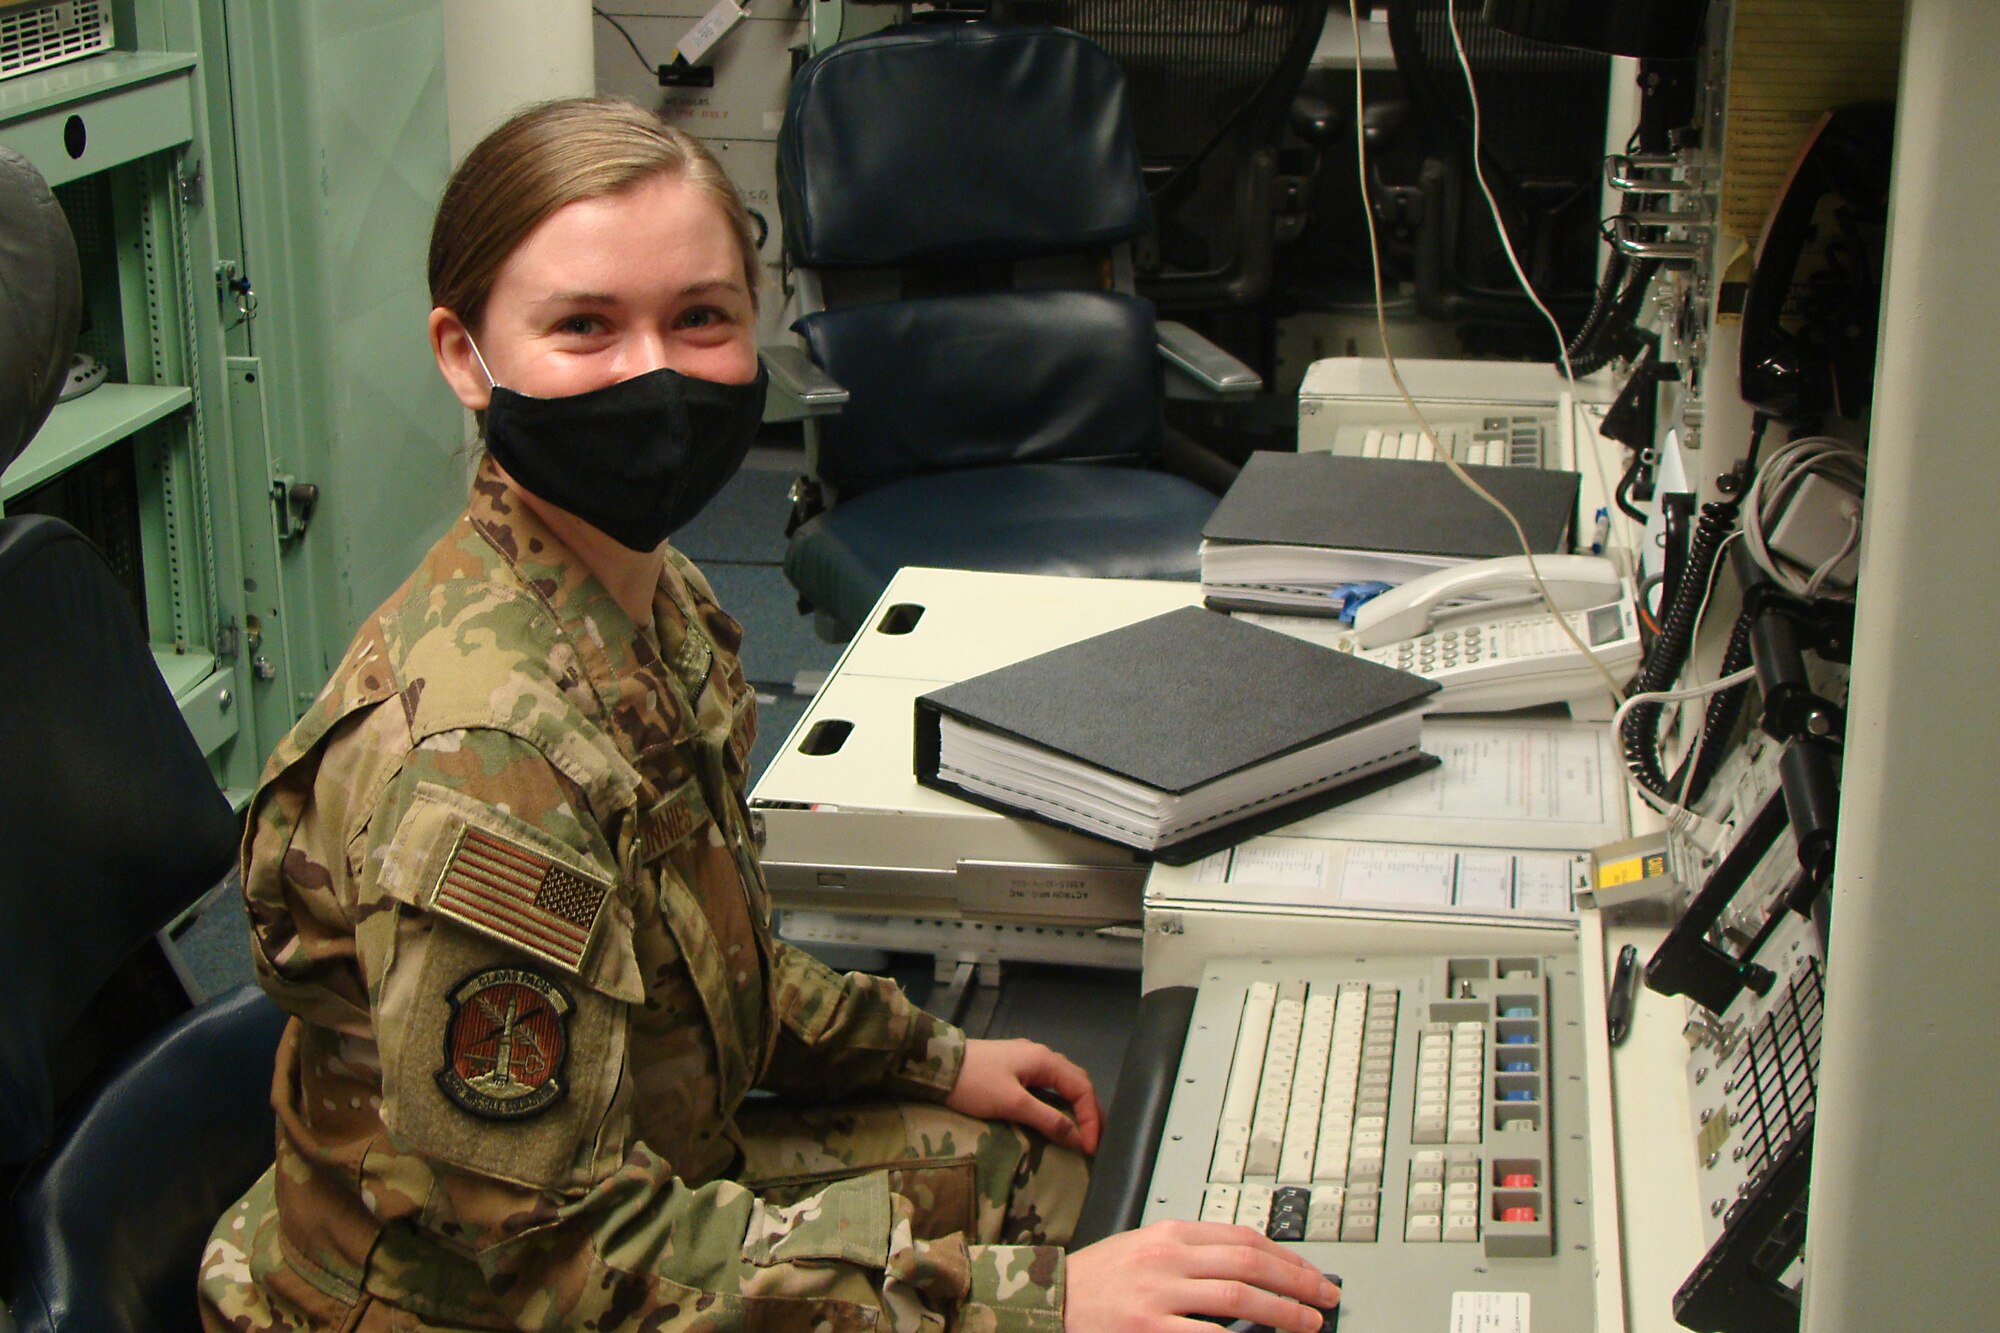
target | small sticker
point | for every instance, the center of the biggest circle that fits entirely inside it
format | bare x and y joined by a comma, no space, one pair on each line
505,1044
1631,870
1489,1312
705,34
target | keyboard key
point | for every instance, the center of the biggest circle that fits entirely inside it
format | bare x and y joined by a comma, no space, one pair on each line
1461,1227
1517,1214
1420,1227
1253,1207
1218,1203
1232,1144
1427,1165
1288,1214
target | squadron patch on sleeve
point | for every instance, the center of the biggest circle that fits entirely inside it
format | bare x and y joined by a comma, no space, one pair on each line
505,1044
513,893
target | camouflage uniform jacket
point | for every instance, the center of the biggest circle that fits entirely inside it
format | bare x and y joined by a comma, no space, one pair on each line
501,875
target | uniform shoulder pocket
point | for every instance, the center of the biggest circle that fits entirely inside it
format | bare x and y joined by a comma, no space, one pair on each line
503,1001
492,873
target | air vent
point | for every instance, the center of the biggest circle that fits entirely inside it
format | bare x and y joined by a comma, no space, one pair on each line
34,37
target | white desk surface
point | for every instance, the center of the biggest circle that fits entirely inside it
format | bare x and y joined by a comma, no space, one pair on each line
1642,1086
974,621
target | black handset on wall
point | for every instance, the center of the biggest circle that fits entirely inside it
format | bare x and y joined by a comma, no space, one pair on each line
1810,312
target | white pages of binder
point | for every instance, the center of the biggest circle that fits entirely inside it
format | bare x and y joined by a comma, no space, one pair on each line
1082,795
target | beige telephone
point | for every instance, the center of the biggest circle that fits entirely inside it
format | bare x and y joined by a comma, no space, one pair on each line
1481,631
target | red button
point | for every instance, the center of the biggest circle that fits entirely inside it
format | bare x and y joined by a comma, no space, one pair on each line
1519,1181
1517,1215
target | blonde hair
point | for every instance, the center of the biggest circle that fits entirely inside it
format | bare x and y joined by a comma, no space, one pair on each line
545,157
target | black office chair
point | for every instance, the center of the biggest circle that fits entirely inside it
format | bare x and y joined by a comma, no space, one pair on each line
1212,83
958,197
1542,110
128,1121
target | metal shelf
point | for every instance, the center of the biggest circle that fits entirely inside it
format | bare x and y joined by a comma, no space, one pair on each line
99,113
85,426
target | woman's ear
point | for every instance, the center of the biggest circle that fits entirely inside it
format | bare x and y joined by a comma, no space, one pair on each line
457,361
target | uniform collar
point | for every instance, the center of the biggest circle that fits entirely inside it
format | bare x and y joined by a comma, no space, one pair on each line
613,650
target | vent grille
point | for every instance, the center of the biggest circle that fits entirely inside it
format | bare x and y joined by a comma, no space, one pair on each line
34,37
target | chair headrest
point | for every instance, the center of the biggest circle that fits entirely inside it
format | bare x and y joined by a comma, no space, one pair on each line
951,142
41,302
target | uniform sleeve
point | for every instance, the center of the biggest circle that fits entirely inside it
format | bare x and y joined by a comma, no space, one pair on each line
496,936
839,1035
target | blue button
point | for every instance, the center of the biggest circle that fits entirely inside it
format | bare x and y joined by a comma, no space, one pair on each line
1517,1095
1517,1039
1518,1011
1517,1067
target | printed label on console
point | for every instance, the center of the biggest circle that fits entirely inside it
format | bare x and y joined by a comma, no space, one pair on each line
1489,1312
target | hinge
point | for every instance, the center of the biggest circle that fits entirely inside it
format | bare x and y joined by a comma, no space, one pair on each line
227,636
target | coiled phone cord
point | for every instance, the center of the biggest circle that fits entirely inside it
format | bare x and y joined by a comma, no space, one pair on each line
1670,651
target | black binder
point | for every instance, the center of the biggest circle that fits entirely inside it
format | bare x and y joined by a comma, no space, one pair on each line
1384,507
1180,701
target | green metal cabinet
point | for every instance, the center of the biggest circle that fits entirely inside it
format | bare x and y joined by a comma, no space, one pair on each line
251,187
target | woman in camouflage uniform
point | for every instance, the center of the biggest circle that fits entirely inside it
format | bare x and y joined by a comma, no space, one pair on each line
501,875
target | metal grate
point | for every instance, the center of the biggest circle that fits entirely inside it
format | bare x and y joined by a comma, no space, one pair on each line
34,37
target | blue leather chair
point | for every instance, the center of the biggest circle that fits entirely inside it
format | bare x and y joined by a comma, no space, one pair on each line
958,202
128,1120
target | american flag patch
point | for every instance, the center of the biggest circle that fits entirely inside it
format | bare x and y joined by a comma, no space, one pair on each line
505,890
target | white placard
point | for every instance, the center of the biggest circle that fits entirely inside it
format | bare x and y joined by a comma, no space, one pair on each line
1290,866
1489,1312
1300,872
1547,775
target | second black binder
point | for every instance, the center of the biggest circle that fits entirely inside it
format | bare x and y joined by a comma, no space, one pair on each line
1177,735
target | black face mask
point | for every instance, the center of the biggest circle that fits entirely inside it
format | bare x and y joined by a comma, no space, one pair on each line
636,459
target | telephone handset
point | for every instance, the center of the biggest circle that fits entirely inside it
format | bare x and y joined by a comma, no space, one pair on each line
1575,582
1504,650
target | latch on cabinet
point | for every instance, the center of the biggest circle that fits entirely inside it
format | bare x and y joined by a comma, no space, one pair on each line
294,501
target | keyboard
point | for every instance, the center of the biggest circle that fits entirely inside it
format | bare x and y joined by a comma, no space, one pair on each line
1496,439
1416,1124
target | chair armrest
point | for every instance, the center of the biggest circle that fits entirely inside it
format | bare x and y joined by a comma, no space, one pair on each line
1205,369
799,388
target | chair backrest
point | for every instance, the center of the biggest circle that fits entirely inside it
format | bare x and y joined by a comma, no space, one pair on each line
958,190
1212,83
112,1221
1542,110
41,302
112,823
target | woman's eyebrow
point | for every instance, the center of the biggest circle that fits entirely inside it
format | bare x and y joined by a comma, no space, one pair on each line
576,298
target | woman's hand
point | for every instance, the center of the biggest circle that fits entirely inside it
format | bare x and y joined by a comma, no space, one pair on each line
1155,1279
998,1079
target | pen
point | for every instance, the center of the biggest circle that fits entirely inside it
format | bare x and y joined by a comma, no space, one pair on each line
1624,989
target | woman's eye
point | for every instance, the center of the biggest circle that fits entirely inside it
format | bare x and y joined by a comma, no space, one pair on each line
703,316
581,324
